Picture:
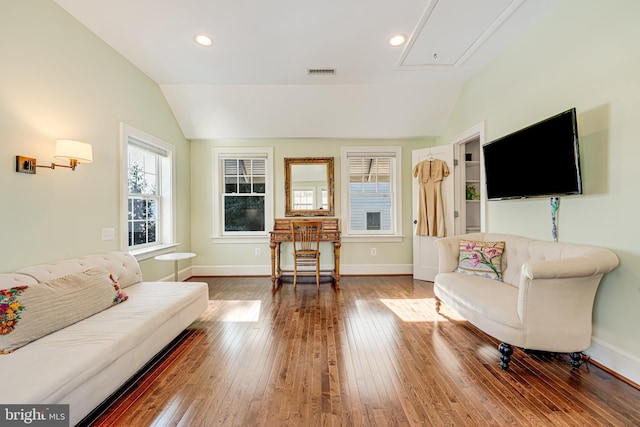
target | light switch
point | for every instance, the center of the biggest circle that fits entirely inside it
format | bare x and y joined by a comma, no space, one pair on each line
108,233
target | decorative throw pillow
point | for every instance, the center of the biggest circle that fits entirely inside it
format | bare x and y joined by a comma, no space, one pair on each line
121,296
10,308
28,313
481,258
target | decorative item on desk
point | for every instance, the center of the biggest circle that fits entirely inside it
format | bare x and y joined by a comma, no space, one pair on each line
472,194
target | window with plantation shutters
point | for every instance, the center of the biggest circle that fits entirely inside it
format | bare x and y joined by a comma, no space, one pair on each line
244,195
372,195
243,201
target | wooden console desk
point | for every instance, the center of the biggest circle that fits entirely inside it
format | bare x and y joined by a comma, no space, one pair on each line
282,233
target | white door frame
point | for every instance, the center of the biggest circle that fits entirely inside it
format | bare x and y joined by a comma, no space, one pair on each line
458,141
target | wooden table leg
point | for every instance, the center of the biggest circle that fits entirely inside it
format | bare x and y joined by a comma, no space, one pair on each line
336,263
278,270
273,245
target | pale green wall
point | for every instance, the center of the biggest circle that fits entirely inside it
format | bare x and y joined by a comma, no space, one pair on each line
58,80
220,254
583,55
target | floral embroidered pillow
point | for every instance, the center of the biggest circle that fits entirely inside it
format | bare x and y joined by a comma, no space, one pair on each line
120,296
10,308
481,259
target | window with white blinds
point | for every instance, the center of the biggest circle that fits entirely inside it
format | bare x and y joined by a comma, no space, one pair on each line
243,196
372,194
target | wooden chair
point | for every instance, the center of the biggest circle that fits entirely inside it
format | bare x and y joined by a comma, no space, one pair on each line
306,248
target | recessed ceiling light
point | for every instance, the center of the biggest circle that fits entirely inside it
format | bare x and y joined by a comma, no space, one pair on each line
203,40
397,40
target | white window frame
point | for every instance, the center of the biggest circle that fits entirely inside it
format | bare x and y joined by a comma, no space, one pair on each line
221,153
380,151
166,228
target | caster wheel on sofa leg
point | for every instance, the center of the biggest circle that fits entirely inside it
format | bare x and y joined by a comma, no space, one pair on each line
505,355
576,360
438,304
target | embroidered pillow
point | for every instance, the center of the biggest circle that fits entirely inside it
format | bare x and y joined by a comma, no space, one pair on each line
28,313
481,259
10,308
121,296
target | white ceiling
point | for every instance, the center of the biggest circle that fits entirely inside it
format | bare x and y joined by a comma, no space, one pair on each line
253,81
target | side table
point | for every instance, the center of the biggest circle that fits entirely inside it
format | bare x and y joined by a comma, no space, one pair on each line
175,257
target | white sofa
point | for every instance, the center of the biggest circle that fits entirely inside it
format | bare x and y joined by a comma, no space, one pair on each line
84,363
544,302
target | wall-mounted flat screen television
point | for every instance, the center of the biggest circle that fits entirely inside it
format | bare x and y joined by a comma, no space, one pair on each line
540,160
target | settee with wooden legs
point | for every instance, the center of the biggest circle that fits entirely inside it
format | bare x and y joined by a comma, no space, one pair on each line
543,299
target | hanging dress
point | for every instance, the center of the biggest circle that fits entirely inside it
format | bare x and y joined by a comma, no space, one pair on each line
430,174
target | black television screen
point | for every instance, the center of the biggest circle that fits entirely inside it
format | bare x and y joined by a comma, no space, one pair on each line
539,160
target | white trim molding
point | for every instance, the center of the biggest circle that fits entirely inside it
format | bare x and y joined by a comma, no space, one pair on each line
231,270
265,270
183,275
615,359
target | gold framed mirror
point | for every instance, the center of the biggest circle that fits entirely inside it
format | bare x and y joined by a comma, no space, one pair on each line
308,186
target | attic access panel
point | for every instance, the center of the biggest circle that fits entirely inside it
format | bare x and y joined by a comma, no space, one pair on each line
451,30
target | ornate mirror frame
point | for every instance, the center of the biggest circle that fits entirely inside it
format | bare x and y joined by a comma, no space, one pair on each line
290,162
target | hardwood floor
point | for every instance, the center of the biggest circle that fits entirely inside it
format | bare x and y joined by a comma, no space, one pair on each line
373,353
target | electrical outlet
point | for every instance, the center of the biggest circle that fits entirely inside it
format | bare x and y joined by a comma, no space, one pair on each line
108,233
257,252
374,251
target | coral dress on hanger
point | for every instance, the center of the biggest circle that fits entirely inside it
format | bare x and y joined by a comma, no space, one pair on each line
430,174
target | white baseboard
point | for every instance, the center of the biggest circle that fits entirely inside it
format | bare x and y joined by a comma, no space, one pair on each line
265,270
231,270
183,274
615,359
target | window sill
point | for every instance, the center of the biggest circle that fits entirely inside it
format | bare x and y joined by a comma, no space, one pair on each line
153,251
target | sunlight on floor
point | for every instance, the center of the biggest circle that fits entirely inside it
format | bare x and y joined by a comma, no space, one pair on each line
420,310
233,311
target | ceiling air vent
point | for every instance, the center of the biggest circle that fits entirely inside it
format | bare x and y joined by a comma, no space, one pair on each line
321,71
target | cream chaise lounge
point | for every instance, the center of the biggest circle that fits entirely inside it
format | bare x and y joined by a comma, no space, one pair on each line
544,301
83,363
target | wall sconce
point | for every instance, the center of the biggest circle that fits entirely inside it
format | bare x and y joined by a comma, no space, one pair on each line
66,149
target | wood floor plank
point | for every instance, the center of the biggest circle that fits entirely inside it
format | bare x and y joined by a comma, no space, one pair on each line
373,353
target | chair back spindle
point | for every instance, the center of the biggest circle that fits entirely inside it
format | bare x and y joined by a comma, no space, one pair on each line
306,248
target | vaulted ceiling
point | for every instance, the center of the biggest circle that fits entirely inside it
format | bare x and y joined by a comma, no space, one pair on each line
254,81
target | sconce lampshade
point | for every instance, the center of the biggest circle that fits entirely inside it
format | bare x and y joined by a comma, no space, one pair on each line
68,149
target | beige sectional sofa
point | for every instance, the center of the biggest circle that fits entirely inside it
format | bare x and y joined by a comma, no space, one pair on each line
84,363
544,301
